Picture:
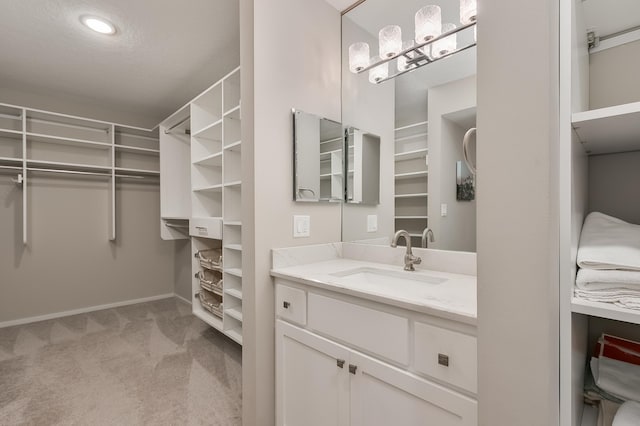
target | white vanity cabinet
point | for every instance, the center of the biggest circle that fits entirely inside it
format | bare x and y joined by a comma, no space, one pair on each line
350,361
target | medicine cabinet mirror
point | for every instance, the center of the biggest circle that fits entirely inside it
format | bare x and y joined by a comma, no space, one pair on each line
419,119
318,158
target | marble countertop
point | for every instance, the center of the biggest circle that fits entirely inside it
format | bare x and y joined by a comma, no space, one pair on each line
453,299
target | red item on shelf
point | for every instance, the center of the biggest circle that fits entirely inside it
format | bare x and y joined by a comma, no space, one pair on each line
618,348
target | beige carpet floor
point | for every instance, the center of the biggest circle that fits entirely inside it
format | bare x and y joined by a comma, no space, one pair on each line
147,364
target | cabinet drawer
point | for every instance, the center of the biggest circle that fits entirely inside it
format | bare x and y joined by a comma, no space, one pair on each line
446,355
291,304
379,332
206,227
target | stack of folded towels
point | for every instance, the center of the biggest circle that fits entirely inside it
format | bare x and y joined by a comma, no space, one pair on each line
609,261
613,382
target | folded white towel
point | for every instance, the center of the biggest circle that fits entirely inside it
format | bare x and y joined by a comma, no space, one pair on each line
598,279
620,379
628,414
620,297
609,243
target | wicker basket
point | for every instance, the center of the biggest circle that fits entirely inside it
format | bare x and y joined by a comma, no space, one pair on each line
210,280
210,259
211,302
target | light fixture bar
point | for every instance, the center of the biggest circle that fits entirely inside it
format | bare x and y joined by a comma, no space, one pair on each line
416,50
429,61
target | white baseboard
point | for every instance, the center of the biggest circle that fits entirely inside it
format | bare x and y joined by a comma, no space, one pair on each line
177,296
85,310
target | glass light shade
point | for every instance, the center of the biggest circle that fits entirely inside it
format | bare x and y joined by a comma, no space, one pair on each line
358,57
378,73
402,64
447,44
428,23
468,11
390,38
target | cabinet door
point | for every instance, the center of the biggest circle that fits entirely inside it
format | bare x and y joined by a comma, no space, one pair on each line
383,395
312,379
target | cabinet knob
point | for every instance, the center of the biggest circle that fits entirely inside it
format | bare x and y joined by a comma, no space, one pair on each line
286,304
443,359
340,363
352,368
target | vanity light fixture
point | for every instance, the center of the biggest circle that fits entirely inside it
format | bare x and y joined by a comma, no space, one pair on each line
99,25
433,41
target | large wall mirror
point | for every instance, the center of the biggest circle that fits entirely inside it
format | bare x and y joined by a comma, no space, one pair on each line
420,119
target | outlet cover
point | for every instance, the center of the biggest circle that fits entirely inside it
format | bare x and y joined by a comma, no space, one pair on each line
301,226
443,210
372,223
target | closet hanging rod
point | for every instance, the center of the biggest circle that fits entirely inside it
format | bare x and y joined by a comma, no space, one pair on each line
77,172
11,167
167,131
71,126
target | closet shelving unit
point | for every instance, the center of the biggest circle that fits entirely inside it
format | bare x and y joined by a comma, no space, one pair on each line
411,178
36,143
331,166
201,151
586,134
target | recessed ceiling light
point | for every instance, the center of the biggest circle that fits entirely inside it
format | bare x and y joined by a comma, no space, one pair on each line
99,25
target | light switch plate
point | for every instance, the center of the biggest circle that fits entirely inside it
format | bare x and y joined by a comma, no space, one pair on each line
443,210
372,223
301,226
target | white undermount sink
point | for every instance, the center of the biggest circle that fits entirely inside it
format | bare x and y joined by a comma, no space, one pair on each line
385,281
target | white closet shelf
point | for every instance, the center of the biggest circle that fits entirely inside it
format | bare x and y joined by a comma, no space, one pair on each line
232,223
209,132
328,153
422,135
411,155
411,126
411,175
213,160
135,136
235,146
175,218
206,316
331,140
210,188
234,292
42,138
234,313
609,130
137,149
237,272
235,335
416,195
605,310
411,217
233,112
233,184
68,166
237,247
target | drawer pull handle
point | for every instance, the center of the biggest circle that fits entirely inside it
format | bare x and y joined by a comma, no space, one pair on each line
352,368
443,359
286,304
340,363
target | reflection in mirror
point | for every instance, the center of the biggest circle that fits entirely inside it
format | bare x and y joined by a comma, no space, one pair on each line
421,118
318,163
363,167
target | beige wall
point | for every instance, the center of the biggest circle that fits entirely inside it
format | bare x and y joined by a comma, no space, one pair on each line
296,63
518,213
613,76
69,262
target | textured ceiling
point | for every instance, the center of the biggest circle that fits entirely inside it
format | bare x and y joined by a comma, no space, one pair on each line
164,53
